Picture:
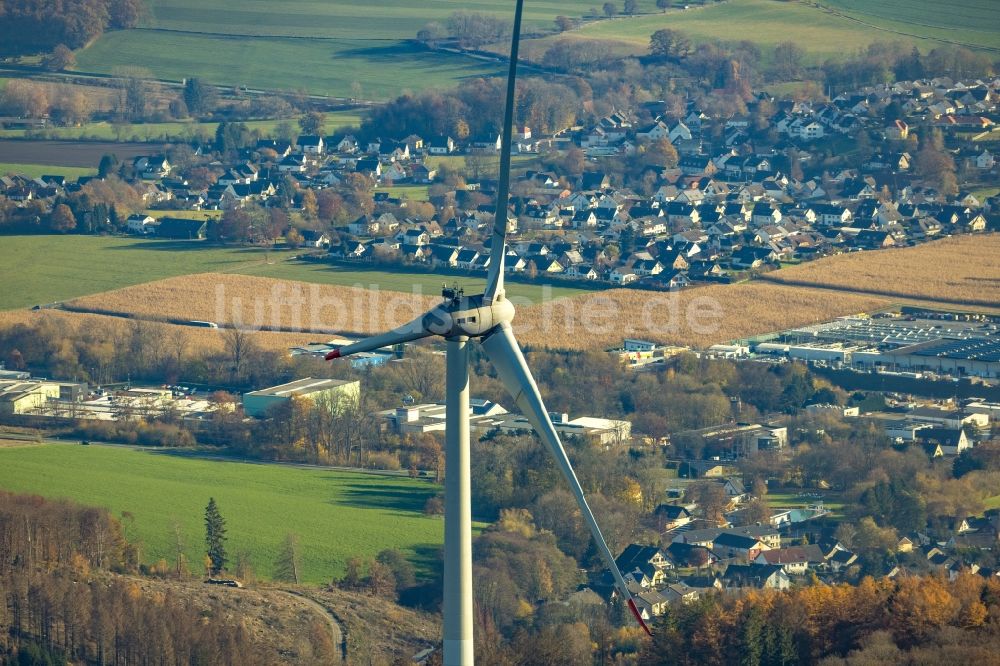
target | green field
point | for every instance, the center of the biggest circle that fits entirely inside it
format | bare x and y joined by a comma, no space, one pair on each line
386,20
337,515
411,192
334,48
972,23
45,269
174,130
363,69
823,34
36,170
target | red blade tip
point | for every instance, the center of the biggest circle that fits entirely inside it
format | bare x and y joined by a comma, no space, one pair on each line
333,354
635,611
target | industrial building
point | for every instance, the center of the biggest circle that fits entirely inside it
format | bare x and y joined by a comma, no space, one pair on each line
25,397
938,343
486,416
322,391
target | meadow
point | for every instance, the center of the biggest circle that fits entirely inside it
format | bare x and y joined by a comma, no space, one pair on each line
334,48
181,130
340,19
348,68
36,170
962,22
822,33
337,515
45,269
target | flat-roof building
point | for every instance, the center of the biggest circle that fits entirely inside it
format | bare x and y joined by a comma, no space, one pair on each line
330,391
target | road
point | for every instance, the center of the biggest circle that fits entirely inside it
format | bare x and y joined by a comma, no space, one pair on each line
336,629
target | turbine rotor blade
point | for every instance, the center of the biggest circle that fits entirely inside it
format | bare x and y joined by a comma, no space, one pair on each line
505,355
413,330
494,279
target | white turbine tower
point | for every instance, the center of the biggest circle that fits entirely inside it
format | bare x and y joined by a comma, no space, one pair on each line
486,318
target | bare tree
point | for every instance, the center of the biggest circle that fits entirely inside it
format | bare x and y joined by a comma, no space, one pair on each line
239,347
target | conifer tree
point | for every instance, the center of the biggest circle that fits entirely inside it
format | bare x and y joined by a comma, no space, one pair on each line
215,536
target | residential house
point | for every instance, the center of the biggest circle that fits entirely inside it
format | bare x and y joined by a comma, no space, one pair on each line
311,144
181,228
672,516
730,545
757,576
951,440
140,224
648,560
441,145
795,560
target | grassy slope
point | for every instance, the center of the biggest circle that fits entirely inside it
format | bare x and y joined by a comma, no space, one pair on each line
43,269
383,69
321,47
962,21
822,34
386,19
337,515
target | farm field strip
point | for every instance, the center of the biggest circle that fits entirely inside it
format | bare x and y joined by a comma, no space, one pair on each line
45,269
70,153
36,170
591,320
180,129
337,515
960,270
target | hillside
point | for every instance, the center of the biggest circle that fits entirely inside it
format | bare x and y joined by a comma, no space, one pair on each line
846,26
330,511
334,48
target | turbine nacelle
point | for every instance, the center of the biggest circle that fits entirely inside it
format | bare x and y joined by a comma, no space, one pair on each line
469,316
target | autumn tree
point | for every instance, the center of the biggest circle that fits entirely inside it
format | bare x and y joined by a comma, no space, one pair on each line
312,123
710,496
62,219
215,537
668,43
61,58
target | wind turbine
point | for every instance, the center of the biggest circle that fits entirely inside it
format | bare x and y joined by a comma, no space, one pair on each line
485,318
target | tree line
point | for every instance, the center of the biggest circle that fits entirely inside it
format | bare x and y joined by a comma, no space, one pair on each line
912,619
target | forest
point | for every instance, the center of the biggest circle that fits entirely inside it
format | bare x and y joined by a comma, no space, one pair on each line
61,600
912,620
28,26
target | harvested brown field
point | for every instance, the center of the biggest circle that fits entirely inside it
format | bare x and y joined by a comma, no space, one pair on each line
205,340
957,272
963,271
696,317
259,303
71,153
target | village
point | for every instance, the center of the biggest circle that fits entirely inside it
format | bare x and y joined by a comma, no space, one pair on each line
716,199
